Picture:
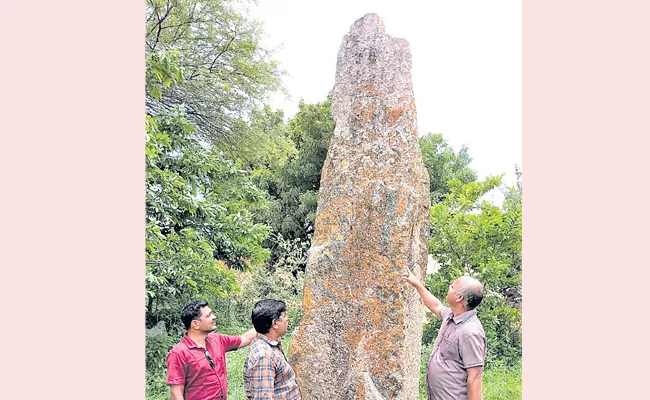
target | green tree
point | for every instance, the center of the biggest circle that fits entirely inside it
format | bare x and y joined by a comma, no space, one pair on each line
297,184
198,209
264,148
443,164
226,71
472,236
198,218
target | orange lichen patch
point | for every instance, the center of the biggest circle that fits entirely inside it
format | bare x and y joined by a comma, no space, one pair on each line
367,86
393,114
327,224
307,299
325,228
297,352
369,89
367,115
401,203
372,274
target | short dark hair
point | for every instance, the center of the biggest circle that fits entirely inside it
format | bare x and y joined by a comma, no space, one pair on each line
472,297
191,311
265,312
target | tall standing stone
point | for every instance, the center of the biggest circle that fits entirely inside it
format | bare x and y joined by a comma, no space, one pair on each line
362,326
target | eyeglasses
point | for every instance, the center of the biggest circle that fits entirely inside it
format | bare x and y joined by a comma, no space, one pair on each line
207,354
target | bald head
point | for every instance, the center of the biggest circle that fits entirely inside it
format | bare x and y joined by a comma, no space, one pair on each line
472,291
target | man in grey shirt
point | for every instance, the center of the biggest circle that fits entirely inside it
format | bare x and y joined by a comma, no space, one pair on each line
455,368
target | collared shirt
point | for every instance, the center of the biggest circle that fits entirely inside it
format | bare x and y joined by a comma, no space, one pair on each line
188,365
267,374
461,344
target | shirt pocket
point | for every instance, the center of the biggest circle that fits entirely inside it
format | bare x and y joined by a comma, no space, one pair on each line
219,364
201,361
449,349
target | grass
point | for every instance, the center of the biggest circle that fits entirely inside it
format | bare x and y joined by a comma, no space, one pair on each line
235,366
499,382
502,383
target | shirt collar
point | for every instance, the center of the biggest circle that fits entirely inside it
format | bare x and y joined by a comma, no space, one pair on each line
267,339
459,319
191,344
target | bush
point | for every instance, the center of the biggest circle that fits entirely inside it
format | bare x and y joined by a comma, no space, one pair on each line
502,325
157,348
156,351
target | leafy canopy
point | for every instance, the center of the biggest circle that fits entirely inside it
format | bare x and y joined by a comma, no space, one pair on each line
226,71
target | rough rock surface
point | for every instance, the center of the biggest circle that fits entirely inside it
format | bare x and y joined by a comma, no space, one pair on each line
158,330
361,328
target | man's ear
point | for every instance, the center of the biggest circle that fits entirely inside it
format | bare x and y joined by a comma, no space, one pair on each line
459,298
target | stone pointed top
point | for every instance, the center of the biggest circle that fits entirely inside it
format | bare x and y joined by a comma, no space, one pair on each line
373,66
369,32
368,23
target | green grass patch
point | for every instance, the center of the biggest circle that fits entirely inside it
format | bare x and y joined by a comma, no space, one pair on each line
502,383
235,366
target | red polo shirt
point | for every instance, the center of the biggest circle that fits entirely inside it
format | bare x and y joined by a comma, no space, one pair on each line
188,365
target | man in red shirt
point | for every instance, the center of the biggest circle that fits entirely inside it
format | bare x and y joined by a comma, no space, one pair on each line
196,366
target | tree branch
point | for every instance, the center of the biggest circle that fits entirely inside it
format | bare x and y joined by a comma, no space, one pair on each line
222,51
159,24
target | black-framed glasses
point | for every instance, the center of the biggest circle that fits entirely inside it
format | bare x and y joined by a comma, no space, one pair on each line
207,354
